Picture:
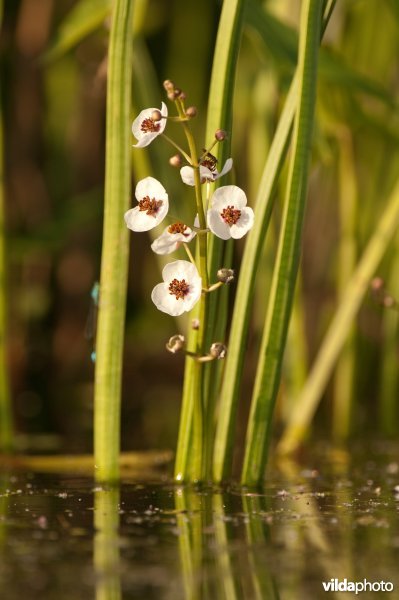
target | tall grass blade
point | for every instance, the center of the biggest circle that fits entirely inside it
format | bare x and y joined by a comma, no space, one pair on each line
389,387
6,421
224,439
114,260
340,326
83,19
284,276
282,42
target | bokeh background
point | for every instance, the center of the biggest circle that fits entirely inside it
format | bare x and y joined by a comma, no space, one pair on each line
53,112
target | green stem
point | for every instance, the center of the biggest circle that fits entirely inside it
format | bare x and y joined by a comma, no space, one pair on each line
284,276
199,452
340,326
6,421
114,260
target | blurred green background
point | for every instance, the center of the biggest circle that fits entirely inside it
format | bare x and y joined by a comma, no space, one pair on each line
53,111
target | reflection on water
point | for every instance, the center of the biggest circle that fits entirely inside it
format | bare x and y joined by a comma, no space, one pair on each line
337,518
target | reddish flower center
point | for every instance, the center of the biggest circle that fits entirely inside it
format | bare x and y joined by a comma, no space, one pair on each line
179,288
230,215
150,205
178,227
149,126
210,162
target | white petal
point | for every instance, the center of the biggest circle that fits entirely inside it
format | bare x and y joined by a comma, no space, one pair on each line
165,243
149,186
244,223
166,302
138,220
187,175
227,167
217,225
228,195
146,138
180,269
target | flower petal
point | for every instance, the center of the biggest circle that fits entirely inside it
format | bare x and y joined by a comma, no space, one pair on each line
149,186
180,269
145,138
217,225
244,223
187,175
166,302
138,220
227,167
228,195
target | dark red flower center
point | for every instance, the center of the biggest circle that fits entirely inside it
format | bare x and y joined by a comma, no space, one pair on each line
178,288
178,227
149,126
230,215
150,205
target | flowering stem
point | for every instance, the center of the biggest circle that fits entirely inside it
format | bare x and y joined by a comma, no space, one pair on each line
189,254
199,451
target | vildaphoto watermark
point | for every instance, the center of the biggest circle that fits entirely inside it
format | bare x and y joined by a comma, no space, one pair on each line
343,585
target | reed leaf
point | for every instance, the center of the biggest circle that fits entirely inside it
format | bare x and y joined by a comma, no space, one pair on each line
337,333
285,272
84,18
229,394
6,420
282,42
114,260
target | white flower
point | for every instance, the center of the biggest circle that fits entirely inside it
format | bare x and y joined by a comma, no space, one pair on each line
153,205
229,216
208,170
145,129
172,237
181,288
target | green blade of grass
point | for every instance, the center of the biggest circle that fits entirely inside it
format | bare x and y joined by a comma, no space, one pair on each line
6,421
282,42
340,326
285,272
224,438
84,18
114,259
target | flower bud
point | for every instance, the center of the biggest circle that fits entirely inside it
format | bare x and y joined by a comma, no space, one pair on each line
377,284
195,324
156,115
175,161
175,343
177,92
191,112
168,85
182,96
225,275
220,135
218,350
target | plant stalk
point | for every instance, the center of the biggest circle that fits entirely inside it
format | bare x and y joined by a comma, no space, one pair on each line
114,259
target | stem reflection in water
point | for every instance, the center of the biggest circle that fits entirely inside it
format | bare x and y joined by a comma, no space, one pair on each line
106,544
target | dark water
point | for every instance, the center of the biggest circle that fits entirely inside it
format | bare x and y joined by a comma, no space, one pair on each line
333,516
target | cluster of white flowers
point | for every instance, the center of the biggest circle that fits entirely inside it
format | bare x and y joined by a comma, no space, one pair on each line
228,216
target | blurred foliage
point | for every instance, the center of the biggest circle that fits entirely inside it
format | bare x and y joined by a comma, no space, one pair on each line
53,75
